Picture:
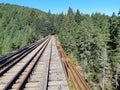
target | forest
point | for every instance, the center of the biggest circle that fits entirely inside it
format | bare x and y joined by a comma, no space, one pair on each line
93,41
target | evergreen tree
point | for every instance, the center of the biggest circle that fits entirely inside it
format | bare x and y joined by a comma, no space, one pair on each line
78,17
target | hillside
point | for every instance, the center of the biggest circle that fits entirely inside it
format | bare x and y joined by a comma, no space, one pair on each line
92,40
20,26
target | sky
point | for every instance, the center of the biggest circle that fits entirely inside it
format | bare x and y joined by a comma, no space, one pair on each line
57,6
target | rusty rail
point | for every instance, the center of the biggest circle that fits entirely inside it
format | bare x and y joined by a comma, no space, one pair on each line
73,74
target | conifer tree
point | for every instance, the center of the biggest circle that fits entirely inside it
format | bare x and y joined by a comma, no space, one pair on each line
78,17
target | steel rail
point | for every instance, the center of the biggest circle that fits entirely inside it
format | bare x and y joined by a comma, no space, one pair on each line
14,53
5,61
9,85
79,76
16,61
25,79
74,77
6,57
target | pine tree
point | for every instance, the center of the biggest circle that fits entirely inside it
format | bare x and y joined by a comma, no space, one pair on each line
78,17
114,47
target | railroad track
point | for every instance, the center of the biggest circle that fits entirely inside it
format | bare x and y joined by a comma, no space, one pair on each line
6,60
37,67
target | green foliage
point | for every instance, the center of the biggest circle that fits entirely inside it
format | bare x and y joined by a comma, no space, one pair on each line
88,38
78,17
20,26
90,78
92,40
